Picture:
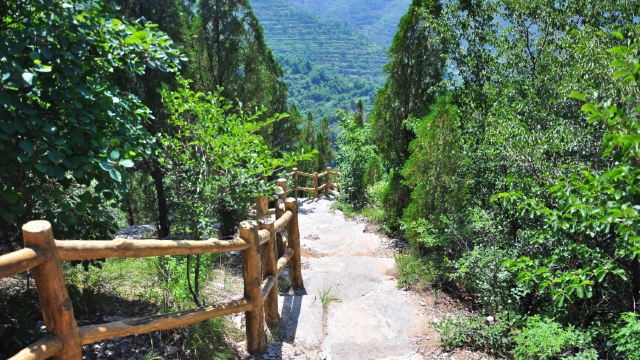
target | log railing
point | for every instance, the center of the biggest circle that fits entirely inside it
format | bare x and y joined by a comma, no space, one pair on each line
267,247
327,188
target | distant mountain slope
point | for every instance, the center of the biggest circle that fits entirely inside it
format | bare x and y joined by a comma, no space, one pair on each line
291,31
328,60
376,19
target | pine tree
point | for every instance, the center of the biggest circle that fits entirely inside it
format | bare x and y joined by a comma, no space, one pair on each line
414,71
323,145
359,114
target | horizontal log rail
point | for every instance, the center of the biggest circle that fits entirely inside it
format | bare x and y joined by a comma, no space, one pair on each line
95,333
328,188
41,349
75,250
20,261
283,221
267,250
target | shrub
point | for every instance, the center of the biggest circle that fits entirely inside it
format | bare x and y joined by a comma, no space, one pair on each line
547,339
626,339
475,333
413,270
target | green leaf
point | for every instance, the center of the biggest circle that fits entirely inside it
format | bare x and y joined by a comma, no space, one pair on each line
115,155
115,175
27,147
126,163
106,166
578,96
27,77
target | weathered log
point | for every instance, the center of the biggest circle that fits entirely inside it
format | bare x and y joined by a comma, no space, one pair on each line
122,248
282,188
294,243
282,222
309,175
322,174
280,210
316,182
94,333
305,189
264,236
322,187
256,337
267,286
55,304
20,261
283,261
295,183
328,182
41,349
269,270
262,206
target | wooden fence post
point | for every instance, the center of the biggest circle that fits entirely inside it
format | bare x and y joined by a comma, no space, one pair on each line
328,182
315,184
293,233
55,303
295,183
270,268
256,337
279,212
262,207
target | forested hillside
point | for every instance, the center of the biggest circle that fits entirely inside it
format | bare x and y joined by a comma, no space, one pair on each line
504,147
328,58
375,19
116,113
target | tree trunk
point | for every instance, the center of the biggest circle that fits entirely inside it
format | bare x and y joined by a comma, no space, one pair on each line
163,208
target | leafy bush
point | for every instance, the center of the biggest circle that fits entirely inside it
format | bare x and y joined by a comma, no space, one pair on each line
413,271
480,275
626,339
474,332
547,339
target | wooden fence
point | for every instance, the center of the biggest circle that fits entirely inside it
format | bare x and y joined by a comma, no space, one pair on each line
267,246
328,188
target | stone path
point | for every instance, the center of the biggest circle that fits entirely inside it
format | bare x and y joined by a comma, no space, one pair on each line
352,308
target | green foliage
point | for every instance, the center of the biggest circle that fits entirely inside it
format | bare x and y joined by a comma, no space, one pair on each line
476,333
432,169
376,19
512,155
356,160
65,122
412,270
626,339
328,64
547,339
217,156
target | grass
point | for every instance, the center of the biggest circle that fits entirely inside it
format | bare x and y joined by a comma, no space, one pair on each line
413,270
132,287
327,295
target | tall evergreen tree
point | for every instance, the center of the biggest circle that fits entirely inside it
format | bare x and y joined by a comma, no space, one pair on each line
323,145
359,114
415,70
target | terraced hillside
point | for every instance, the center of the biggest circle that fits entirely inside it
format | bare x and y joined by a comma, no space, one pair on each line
291,31
328,63
376,19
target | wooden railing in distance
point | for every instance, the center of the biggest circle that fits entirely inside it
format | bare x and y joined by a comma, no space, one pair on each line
266,252
327,188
